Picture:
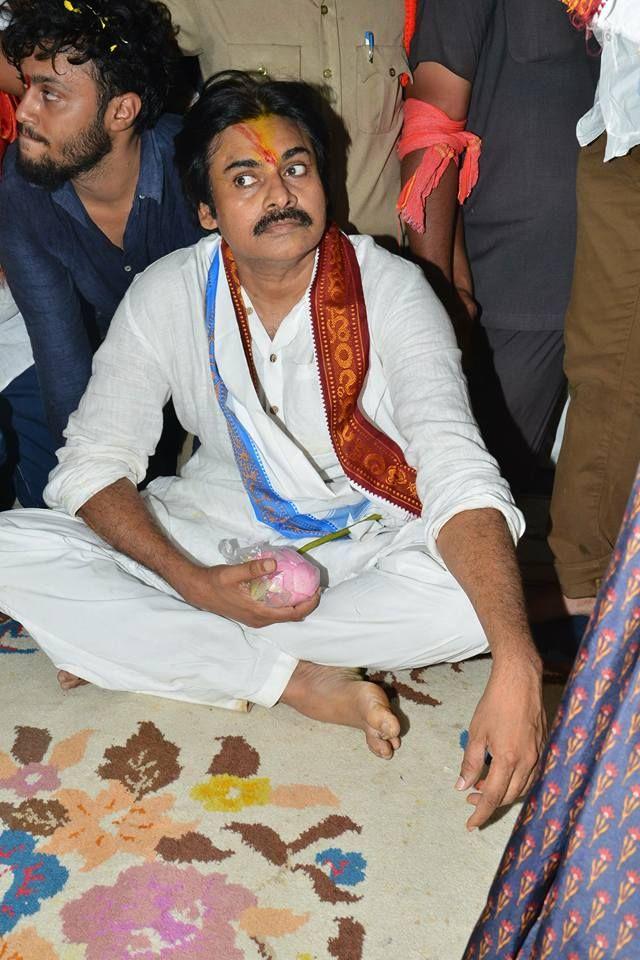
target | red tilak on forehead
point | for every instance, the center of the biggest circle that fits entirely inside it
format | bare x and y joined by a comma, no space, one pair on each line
257,138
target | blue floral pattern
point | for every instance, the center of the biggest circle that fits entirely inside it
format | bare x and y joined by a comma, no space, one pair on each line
346,869
568,886
35,877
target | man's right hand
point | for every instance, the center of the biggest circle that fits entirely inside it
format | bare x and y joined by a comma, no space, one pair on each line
224,590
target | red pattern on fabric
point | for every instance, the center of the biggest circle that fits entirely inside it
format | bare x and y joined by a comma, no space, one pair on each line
443,140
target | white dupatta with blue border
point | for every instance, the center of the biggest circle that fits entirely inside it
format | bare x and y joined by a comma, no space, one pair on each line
284,489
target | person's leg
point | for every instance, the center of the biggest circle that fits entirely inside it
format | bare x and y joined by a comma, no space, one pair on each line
30,450
601,445
516,383
407,611
103,618
110,621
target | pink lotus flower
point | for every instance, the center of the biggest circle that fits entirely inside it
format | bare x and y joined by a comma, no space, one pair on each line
295,579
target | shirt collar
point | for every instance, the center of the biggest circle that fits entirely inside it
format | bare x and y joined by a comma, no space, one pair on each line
149,186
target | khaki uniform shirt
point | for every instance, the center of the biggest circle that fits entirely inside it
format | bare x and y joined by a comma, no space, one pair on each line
321,43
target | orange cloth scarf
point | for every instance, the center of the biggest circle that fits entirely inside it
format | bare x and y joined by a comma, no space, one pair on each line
443,139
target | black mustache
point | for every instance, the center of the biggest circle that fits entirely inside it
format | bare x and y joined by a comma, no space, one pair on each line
281,216
30,132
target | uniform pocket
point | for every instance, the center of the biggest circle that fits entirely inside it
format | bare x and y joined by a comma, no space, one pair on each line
378,90
280,61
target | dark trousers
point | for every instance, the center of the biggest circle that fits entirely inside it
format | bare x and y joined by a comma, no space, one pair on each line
601,446
27,452
517,388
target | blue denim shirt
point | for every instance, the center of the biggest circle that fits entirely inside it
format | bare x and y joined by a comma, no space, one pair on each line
65,274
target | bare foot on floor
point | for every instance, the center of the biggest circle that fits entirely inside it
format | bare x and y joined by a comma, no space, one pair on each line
69,680
339,695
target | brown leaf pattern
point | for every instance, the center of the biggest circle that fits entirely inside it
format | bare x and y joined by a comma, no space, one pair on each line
30,745
236,758
39,817
329,828
189,848
349,942
146,763
324,887
262,839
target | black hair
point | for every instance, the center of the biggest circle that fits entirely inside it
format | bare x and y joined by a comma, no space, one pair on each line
130,44
233,96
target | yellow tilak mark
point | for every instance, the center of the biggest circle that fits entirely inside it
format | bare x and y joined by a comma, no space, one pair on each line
259,131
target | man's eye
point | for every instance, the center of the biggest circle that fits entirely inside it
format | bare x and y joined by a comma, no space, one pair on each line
296,170
48,95
245,180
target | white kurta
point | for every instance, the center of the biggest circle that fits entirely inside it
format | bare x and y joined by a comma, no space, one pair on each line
390,602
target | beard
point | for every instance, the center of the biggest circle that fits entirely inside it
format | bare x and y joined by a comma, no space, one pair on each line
79,155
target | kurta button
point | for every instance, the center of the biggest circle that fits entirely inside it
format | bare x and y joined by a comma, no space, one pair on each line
392,72
327,74
262,70
128,268
274,410
273,357
324,9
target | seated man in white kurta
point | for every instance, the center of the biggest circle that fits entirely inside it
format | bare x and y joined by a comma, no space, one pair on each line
322,379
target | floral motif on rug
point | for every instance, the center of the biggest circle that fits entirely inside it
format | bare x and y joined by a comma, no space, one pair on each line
125,876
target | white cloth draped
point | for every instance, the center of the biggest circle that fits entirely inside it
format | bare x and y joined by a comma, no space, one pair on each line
157,347
390,601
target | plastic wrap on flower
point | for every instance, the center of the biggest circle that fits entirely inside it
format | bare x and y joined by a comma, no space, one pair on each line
295,578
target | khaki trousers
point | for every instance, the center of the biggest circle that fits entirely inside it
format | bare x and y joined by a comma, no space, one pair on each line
601,447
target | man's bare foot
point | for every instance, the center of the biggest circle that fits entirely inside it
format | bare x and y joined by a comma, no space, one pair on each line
69,680
338,695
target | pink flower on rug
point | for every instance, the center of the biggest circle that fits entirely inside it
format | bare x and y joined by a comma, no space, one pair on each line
159,912
31,779
32,775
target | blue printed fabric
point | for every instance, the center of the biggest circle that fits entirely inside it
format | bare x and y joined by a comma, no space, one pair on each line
568,886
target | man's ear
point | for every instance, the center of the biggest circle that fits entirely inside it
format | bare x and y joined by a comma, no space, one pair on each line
206,217
122,111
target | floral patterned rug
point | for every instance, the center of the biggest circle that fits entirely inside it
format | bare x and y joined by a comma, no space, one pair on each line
134,827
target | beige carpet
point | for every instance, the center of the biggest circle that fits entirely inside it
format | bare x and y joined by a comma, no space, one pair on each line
133,827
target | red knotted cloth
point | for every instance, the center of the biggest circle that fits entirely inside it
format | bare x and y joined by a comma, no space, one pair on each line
443,139
8,124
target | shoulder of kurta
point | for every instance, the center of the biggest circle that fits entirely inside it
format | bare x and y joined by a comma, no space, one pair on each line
393,285
172,287
380,267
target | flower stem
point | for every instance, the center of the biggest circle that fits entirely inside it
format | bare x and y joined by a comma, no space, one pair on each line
337,534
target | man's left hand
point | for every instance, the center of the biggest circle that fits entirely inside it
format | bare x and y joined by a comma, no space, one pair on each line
509,723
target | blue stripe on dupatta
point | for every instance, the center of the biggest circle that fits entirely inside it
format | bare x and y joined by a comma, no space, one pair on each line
269,507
